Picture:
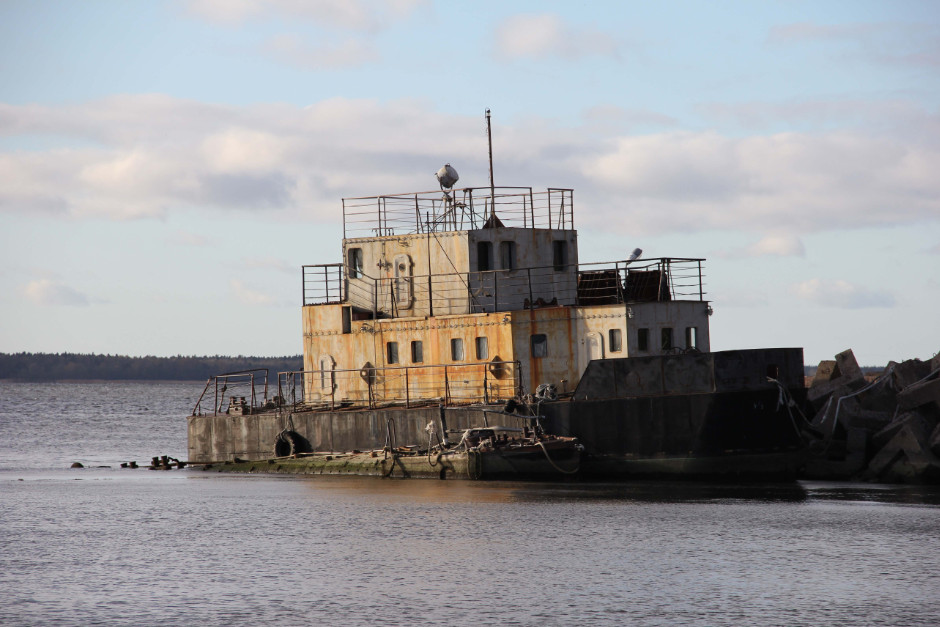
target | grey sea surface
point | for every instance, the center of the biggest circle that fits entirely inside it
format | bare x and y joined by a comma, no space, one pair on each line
112,546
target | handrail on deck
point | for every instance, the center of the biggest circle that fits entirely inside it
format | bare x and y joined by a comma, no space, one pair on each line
458,209
625,281
408,386
239,380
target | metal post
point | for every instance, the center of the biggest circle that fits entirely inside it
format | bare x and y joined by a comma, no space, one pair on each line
701,296
446,387
528,272
407,390
532,209
489,138
332,389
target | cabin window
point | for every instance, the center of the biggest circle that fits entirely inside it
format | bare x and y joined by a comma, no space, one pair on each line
417,352
326,376
691,337
456,349
666,336
642,339
560,255
615,341
539,345
483,351
391,349
354,262
347,319
484,256
507,255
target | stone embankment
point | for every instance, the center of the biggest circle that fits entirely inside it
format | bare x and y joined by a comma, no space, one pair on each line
886,429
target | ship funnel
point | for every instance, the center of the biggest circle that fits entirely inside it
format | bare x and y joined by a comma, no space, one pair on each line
447,176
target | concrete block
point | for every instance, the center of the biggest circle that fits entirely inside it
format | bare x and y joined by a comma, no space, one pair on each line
919,394
909,372
906,458
934,442
935,363
819,394
881,438
847,366
824,371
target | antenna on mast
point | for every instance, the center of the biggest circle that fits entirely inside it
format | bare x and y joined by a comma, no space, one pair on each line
489,137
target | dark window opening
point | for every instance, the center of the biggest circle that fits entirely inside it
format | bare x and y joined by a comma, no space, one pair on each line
540,345
507,255
354,262
347,319
773,372
484,256
392,352
483,351
560,255
456,349
417,352
666,335
615,341
643,339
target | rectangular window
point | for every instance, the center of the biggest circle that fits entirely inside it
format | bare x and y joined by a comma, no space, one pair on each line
354,262
347,319
560,255
391,350
417,352
615,341
691,337
666,335
483,351
642,339
484,256
540,345
507,255
456,349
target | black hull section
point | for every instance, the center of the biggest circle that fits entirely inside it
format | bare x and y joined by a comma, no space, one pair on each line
732,434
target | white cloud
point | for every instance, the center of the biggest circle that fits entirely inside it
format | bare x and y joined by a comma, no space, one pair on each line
151,155
292,50
350,14
776,245
247,295
841,294
547,35
51,293
186,238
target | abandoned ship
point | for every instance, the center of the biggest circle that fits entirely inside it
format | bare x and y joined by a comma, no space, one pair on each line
455,311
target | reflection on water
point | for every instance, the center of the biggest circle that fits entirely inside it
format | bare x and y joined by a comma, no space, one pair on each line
135,547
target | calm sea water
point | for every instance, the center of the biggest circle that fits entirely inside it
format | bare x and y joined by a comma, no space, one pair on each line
106,546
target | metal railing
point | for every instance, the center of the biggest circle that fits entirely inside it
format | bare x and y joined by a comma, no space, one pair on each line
246,392
407,386
641,280
457,210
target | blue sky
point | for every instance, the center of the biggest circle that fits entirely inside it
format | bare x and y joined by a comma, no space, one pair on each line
167,167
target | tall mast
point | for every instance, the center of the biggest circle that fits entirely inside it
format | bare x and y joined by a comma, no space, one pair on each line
489,137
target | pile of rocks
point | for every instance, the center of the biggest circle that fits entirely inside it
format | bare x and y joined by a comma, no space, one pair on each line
884,430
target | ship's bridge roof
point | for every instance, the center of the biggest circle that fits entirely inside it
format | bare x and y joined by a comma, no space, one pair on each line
461,209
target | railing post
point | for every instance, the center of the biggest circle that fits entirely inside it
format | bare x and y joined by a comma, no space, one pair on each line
701,295
332,389
532,209
528,272
407,389
446,387
495,291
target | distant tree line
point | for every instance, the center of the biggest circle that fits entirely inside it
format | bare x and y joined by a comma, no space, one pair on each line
79,366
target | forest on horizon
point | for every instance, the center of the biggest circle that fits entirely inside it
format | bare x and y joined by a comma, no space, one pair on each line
87,367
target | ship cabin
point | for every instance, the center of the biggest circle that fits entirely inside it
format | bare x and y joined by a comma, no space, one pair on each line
478,295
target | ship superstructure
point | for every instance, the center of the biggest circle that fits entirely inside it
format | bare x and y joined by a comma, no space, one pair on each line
479,294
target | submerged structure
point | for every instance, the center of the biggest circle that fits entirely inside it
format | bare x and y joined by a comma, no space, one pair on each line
458,309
